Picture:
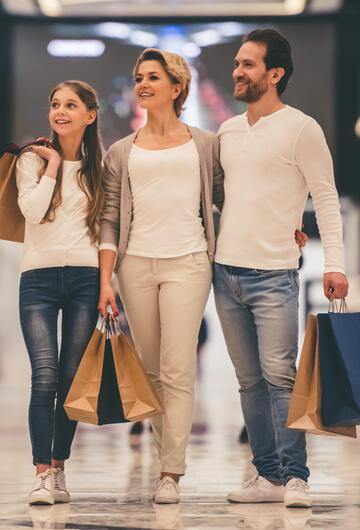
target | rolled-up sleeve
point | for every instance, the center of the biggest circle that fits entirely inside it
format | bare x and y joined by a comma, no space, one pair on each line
35,194
110,213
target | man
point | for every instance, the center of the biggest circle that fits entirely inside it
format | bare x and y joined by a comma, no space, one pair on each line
273,156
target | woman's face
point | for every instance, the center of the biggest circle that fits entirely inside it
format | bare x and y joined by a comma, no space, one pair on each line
154,89
68,114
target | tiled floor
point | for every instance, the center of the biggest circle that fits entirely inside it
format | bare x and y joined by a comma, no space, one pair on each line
111,484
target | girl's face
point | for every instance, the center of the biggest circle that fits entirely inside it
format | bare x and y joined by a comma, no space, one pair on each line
68,114
154,89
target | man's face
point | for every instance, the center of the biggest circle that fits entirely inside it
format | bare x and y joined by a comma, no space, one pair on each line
251,79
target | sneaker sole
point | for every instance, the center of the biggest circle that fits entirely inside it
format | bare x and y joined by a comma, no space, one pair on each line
41,501
61,497
166,501
298,504
253,502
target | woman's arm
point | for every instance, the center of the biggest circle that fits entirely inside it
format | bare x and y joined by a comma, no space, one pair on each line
107,260
109,230
110,213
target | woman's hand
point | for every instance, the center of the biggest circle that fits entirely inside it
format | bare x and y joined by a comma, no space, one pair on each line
300,238
106,298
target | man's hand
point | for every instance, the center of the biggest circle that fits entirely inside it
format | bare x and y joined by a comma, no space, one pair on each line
335,285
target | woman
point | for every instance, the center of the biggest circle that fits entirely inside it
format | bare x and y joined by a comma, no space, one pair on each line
60,198
160,184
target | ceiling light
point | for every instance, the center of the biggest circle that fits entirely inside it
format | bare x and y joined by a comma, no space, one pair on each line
76,48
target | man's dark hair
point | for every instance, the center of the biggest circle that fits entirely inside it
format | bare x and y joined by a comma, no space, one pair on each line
278,53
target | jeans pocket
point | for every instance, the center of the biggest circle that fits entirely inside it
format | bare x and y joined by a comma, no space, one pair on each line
295,278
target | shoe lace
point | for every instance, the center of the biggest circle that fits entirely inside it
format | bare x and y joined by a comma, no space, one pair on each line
57,482
168,483
42,484
296,484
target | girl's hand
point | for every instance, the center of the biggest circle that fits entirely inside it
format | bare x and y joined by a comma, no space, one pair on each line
300,238
107,297
47,153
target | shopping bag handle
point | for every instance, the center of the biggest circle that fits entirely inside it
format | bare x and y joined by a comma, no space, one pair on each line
335,307
15,149
108,325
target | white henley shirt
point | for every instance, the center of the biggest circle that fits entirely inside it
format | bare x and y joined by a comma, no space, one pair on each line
270,168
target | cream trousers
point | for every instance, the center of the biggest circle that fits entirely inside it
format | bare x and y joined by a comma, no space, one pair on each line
164,301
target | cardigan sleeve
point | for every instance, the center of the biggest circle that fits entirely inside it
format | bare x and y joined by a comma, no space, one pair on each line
218,176
110,213
34,195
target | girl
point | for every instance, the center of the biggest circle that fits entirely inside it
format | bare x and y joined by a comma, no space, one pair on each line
60,198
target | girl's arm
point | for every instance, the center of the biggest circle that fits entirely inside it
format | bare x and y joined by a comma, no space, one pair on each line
35,196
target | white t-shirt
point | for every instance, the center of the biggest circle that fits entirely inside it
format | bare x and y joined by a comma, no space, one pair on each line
270,168
166,189
66,240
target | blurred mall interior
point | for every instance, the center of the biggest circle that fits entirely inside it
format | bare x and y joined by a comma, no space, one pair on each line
43,42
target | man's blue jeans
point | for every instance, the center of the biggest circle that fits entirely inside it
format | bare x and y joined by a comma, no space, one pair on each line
43,292
258,311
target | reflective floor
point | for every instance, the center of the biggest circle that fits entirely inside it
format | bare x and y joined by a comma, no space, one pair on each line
111,484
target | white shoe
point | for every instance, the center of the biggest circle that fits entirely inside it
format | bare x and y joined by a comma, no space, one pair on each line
61,493
167,491
257,489
43,489
296,495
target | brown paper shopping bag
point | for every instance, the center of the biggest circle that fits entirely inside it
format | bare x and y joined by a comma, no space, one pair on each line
138,397
12,222
110,385
81,403
305,405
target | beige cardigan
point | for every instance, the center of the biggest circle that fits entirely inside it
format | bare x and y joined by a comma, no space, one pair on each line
116,214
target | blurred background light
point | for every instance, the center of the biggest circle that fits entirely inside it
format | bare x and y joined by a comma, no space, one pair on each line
75,48
357,127
207,37
114,30
143,38
191,50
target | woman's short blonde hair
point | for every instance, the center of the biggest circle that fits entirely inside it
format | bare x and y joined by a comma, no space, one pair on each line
176,68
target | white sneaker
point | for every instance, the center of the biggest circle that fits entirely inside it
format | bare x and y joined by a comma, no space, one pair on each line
61,493
296,494
257,489
43,489
167,491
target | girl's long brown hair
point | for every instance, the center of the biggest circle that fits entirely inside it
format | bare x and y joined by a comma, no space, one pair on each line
89,176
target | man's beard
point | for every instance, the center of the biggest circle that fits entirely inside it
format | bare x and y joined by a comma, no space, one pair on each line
253,92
